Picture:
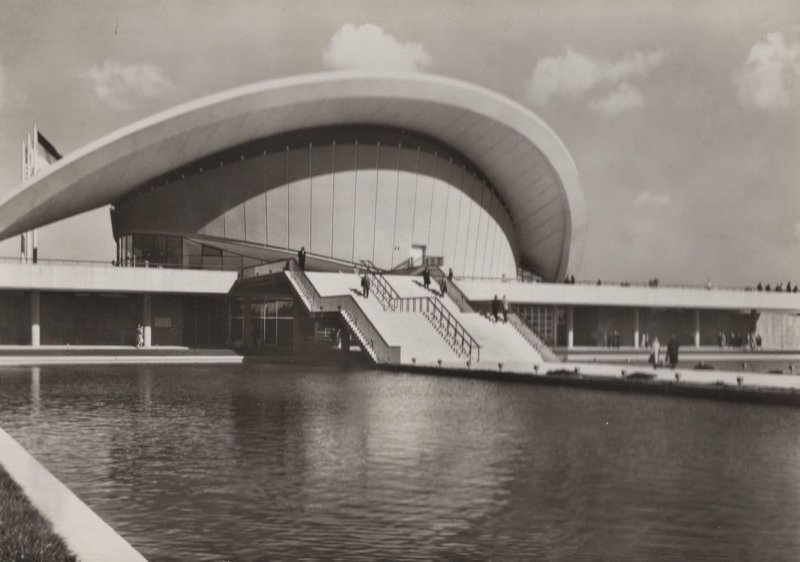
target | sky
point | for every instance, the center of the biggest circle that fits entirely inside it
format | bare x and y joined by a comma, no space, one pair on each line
683,117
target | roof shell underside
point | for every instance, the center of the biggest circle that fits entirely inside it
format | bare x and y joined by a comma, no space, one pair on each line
518,153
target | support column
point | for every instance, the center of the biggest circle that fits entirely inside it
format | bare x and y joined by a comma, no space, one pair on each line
636,337
697,328
247,336
554,326
147,319
35,321
570,327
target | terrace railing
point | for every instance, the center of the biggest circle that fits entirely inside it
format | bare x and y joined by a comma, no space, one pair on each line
224,264
262,269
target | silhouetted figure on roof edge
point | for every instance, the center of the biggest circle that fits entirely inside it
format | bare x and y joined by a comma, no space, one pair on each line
760,287
495,308
301,257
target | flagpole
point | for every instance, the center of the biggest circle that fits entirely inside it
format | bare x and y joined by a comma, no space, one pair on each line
24,172
35,237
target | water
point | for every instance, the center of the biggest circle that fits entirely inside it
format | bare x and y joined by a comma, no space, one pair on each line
257,462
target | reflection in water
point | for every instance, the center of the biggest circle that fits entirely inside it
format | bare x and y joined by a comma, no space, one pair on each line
35,398
254,461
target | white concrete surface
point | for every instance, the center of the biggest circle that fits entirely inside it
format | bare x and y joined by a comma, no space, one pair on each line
14,360
519,154
89,537
616,295
89,278
418,340
499,342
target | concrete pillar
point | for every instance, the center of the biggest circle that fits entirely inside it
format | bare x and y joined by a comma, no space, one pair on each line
247,336
570,327
555,326
35,321
697,328
147,320
636,337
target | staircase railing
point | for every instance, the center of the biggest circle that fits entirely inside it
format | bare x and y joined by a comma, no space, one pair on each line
445,322
546,353
357,320
382,289
453,291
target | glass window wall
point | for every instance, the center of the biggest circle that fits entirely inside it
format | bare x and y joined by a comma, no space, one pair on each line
146,250
271,322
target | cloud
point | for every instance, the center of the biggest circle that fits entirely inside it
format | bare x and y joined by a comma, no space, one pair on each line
645,198
622,98
369,47
574,74
119,84
770,77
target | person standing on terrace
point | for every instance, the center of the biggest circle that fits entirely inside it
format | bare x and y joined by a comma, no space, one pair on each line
301,258
655,349
672,351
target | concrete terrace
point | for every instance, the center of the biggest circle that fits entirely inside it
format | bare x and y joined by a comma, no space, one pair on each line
101,276
586,294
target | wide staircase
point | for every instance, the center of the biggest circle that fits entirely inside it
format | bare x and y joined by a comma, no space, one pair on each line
500,343
389,335
402,322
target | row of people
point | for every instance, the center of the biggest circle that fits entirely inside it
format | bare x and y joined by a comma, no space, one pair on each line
751,340
778,288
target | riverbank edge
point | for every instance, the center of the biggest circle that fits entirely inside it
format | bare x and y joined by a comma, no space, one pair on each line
84,532
38,360
553,375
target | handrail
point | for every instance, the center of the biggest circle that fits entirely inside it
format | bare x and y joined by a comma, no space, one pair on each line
615,283
264,268
453,291
437,314
531,337
454,332
372,340
140,264
384,292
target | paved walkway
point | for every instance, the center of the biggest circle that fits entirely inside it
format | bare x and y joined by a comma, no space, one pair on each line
111,354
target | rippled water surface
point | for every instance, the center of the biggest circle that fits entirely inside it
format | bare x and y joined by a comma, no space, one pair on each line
254,462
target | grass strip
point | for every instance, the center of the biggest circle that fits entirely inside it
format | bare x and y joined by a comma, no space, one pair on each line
24,533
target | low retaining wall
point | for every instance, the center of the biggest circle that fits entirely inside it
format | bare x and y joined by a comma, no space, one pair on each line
90,538
564,375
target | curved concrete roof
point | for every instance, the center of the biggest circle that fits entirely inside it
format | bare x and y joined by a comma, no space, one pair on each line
525,160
